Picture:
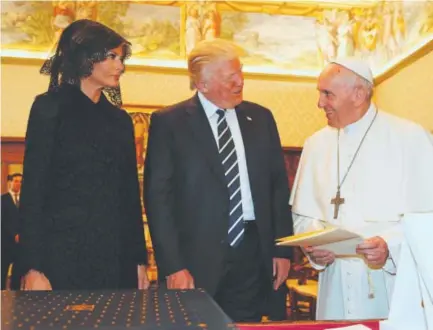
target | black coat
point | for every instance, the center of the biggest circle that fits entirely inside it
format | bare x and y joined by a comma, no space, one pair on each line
81,218
186,195
9,228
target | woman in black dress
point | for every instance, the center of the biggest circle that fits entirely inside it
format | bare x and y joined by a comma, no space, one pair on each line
81,220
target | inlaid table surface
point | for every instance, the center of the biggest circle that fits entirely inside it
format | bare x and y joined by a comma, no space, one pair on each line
128,309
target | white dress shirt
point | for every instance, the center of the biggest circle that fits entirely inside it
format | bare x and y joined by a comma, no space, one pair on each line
232,121
15,197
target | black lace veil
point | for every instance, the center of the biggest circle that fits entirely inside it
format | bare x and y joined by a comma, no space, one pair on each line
82,44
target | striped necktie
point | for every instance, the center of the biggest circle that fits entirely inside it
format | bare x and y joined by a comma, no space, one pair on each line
229,161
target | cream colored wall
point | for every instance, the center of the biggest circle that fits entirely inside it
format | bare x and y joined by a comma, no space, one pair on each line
409,93
19,86
292,103
294,106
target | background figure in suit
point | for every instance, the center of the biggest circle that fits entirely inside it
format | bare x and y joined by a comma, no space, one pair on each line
9,224
216,188
80,212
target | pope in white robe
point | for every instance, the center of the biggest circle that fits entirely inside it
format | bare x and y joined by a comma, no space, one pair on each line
384,167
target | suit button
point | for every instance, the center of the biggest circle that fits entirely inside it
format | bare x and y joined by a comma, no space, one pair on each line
222,241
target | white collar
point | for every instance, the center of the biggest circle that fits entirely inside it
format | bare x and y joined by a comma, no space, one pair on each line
361,124
209,108
14,193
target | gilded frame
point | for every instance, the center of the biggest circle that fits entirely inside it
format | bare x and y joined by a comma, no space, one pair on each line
140,115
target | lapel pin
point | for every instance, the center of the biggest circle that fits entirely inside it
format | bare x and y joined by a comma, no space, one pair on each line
249,118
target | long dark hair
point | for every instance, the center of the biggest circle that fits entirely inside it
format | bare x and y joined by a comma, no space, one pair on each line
82,44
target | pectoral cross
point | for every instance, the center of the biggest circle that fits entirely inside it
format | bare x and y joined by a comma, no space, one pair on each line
337,201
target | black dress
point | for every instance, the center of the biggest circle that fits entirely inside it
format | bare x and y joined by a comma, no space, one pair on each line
81,220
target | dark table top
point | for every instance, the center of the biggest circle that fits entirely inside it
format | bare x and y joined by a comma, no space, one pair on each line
128,309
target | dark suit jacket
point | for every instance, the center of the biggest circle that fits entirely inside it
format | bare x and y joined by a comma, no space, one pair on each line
186,196
9,226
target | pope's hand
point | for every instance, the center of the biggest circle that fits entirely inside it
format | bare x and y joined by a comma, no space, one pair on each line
320,256
375,251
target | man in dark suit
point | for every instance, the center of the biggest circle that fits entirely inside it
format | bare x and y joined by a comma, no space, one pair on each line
9,224
216,189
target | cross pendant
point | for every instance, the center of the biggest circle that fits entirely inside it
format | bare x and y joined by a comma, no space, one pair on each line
337,201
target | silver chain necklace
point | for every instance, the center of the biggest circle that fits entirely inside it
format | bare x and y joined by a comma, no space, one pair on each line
338,200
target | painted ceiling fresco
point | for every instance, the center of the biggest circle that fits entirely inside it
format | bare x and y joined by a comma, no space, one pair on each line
281,38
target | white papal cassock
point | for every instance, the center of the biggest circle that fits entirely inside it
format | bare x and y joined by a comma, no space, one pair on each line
392,175
412,300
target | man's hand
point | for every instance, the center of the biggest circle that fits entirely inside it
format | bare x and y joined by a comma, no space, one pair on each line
143,281
319,256
281,268
180,280
375,251
35,281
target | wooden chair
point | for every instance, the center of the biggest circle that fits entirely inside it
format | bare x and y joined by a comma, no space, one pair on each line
302,285
303,298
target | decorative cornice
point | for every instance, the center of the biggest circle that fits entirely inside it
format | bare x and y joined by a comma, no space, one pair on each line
274,76
404,62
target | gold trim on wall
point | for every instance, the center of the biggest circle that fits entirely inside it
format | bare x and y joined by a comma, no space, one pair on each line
168,70
419,53
145,108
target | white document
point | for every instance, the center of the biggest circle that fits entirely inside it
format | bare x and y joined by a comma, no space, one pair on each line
343,248
336,239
